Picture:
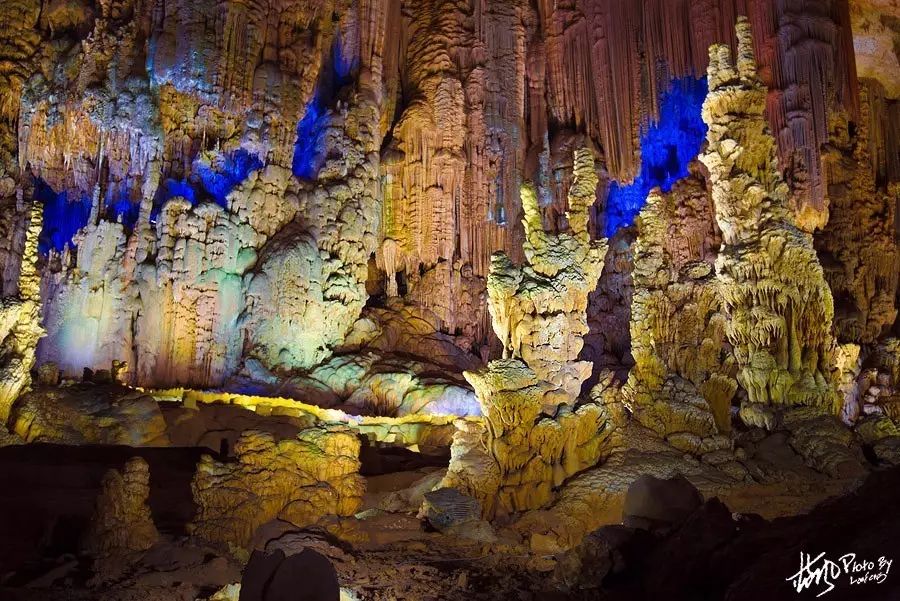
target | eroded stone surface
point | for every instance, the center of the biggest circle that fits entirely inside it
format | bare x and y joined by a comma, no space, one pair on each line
122,520
682,383
537,434
298,480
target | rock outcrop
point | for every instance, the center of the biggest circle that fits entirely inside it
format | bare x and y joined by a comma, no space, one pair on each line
89,414
296,480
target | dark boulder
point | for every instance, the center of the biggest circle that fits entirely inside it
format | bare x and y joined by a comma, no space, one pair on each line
306,576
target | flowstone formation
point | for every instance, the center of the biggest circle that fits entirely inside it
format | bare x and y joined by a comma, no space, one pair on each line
311,279
298,480
778,303
168,154
681,385
537,433
20,326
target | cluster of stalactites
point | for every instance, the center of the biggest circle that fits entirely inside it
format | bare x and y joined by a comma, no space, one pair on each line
772,285
609,63
806,54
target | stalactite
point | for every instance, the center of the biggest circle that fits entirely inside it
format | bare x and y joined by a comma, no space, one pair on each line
450,173
806,61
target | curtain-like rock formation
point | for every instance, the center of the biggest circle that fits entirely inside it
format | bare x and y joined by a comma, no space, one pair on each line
778,304
805,50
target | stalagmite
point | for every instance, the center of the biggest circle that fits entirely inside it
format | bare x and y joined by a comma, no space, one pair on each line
772,286
682,383
122,520
538,433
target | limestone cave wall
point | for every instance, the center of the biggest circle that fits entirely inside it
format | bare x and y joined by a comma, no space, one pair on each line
226,181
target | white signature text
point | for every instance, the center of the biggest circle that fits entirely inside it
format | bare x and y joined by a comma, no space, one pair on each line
823,573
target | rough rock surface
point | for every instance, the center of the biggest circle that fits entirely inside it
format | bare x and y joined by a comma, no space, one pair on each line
20,327
682,383
537,434
298,480
875,28
538,310
122,521
89,414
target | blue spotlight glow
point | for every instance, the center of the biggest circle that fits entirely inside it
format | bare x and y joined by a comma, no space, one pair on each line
667,147
125,209
212,180
309,149
218,180
62,217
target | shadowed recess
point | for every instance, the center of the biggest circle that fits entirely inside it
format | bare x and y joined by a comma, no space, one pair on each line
125,210
667,147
